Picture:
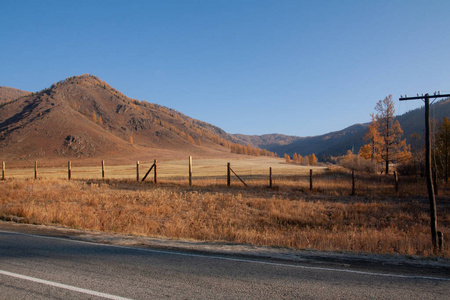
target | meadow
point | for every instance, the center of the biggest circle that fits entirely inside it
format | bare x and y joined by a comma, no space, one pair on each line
377,219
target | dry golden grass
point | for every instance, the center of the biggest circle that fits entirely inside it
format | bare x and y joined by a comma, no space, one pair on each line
376,220
177,169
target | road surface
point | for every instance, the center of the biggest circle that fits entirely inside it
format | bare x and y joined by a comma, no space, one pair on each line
49,267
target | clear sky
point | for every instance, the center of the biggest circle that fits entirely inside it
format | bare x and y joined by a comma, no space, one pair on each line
254,67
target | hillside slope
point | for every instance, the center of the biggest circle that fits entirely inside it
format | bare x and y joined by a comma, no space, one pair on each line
351,138
8,94
84,117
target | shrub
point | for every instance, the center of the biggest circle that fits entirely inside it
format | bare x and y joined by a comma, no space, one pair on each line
358,164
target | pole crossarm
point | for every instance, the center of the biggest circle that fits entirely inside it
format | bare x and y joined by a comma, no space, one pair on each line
423,97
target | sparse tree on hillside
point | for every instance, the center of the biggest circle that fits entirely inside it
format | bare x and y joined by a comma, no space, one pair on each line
100,120
94,118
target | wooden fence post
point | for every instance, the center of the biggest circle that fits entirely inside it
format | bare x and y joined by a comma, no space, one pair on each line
35,170
190,170
137,171
353,183
270,177
396,181
103,169
69,170
155,174
228,175
310,180
3,170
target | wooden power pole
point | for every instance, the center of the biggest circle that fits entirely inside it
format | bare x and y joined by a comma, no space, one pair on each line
431,196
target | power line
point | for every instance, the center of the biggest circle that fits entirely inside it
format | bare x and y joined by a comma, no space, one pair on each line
430,187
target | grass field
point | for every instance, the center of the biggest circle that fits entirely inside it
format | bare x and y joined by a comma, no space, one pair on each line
377,219
179,169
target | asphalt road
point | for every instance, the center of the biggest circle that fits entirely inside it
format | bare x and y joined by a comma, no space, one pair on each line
45,267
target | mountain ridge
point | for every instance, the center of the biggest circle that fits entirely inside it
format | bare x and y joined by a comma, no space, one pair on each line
338,142
8,94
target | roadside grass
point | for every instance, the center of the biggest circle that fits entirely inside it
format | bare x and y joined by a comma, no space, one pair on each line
375,220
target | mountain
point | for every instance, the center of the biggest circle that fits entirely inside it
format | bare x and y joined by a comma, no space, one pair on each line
84,117
351,138
8,94
267,141
414,121
333,143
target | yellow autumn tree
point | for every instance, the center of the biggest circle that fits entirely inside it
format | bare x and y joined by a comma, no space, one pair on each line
312,159
372,137
388,144
288,158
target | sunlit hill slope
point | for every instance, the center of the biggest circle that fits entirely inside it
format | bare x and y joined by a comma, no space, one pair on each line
84,117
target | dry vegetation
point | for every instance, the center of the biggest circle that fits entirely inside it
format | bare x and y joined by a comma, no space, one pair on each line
376,219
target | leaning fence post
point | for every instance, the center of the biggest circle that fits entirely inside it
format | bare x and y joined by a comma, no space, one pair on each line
155,173
228,174
137,171
69,170
270,177
3,170
103,169
310,179
35,170
190,170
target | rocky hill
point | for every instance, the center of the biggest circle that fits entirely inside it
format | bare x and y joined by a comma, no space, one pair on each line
84,117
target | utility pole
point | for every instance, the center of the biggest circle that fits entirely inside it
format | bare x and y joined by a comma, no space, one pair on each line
431,197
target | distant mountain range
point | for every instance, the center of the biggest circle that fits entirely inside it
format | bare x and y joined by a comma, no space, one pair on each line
84,117
351,138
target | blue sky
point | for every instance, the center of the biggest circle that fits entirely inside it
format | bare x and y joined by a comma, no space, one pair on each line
254,67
